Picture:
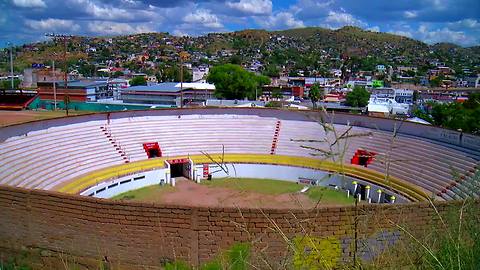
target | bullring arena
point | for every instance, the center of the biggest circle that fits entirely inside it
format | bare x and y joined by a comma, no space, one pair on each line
57,175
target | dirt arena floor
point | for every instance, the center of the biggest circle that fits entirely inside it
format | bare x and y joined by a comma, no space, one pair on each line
189,193
16,117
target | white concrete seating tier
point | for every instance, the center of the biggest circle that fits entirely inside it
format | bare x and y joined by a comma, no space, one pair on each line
184,136
45,158
427,164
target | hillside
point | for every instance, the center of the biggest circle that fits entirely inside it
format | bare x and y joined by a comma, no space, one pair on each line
310,48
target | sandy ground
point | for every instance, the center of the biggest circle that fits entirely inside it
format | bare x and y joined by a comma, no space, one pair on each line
192,194
15,117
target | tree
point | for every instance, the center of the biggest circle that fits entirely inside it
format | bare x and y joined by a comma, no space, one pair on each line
314,94
139,80
172,74
7,84
235,59
437,81
117,74
358,97
456,115
411,73
416,95
271,71
234,82
277,94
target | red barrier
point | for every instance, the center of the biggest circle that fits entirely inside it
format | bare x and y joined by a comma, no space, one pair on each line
152,149
363,157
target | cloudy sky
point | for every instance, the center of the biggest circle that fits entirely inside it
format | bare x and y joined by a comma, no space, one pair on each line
432,21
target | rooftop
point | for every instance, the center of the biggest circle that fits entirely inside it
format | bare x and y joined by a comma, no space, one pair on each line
172,87
78,83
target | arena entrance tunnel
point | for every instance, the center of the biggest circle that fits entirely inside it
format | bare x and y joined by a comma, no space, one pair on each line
180,167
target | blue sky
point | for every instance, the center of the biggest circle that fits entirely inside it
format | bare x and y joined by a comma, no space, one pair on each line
432,21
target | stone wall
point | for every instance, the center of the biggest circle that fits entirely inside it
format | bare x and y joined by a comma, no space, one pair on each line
131,235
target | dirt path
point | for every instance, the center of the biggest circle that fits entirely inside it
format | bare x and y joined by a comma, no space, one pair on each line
15,117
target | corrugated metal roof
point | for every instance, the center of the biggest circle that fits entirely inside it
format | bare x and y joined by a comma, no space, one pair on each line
161,87
172,87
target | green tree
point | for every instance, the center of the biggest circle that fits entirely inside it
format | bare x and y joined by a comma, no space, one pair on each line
456,116
314,94
410,73
7,84
235,59
117,74
416,95
87,70
437,81
473,102
234,82
139,80
271,71
358,97
172,74
277,94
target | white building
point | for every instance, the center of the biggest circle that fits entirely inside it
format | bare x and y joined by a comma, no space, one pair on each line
199,74
384,107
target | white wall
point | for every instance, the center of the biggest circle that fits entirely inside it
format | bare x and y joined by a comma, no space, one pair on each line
291,173
123,184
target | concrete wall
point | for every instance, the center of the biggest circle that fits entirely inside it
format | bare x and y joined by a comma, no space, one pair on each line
130,235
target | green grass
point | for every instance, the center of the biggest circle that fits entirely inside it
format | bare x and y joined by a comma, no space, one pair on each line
327,195
149,193
264,186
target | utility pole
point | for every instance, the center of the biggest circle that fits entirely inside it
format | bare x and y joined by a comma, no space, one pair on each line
64,38
181,81
183,55
54,86
11,65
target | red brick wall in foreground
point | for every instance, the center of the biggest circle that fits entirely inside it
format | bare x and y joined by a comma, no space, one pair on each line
128,234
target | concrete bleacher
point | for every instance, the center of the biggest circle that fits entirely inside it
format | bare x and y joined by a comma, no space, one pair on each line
429,165
46,158
192,136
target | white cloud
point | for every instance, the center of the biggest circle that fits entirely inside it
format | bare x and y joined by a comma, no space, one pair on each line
179,33
252,7
281,20
402,33
112,28
439,4
444,35
465,23
204,18
374,29
339,19
29,3
311,9
410,14
52,25
109,12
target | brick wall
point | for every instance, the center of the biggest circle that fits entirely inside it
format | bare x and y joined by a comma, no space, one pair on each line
133,235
